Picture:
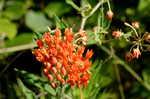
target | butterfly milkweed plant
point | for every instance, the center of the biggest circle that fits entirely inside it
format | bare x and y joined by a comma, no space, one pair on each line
74,49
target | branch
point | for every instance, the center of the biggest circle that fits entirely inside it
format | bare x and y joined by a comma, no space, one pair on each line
17,48
127,67
91,13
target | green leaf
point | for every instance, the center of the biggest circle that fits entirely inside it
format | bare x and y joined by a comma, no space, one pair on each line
8,28
27,92
49,89
91,38
23,38
59,23
15,11
29,77
57,8
37,21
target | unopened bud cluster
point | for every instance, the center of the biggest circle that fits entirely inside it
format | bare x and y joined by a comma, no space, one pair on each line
62,59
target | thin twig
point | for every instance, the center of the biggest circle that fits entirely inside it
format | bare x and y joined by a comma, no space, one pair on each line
7,66
119,82
127,67
84,19
17,48
127,24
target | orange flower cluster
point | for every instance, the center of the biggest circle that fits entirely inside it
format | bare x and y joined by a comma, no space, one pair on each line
63,60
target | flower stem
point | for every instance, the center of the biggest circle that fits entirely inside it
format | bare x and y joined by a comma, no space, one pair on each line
109,5
81,92
119,82
127,67
127,24
83,23
17,48
73,5
84,19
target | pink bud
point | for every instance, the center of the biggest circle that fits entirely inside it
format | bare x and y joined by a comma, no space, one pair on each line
59,77
50,77
117,33
53,85
109,15
39,43
63,71
54,70
45,71
136,53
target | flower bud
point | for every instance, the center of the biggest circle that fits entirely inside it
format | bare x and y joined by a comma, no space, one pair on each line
58,65
136,24
53,85
53,60
63,71
59,77
109,15
54,70
50,77
45,71
39,43
136,53
117,34
128,57
48,67
63,81
47,38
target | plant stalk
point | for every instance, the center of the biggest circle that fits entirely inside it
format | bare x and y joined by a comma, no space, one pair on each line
119,82
81,92
84,19
127,67
17,48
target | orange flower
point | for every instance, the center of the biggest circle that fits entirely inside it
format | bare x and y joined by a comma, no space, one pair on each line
63,60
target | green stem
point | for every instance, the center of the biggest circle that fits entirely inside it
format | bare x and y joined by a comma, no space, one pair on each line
109,5
127,24
83,23
119,81
84,19
81,92
17,48
127,67
70,2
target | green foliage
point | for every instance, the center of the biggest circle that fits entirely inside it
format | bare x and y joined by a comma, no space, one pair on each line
37,81
13,8
59,23
37,21
57,8
144,7
23,38
26,91
8,28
